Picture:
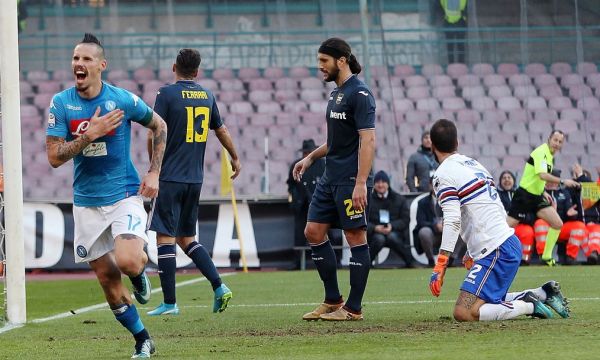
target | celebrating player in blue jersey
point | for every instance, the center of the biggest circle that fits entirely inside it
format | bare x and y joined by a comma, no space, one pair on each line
340,198
472,208
91,124
190,111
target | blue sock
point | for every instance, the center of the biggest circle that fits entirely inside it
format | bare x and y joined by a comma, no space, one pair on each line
359,273
326,263
166,271
128,316
204,263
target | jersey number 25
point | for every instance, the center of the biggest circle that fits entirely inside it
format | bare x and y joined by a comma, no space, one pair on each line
203,114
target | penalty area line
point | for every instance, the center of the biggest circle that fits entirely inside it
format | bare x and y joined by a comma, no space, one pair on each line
86,309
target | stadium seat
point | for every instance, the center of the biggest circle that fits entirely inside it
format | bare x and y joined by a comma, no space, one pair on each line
209,84
294,106
468,80
129,85
263,118
471,92
559,103
453,104
286,95
260,96
414,117
260,84
457,70
482,69
437,114
544,79
418,92
286,84
404,70
415,80
117,74
559,69
379,71
534,103
223,74
241,107
523,92
519,80
572,148
499,91
508,103
440,80
442,92
535,69
299,72
30,111
487,127
388,82
482,103
520,115
468,116
577,92
166,75
593,80
37,75
42,101
430,70
493,80
62,75
49,86
230,96
588,104
550,91
513,126
403,105
548,115
152,85
521,150
491,163
390,94
312,95
507,69
568,80
311,83
25,87
540,127
493,149
317,106
273,73
230,84
504,138
143,74
586,68
575,115
149,97
248,73
428,104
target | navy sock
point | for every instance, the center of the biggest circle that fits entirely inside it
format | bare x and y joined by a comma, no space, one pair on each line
166,271
204,263
137,281
128,316
359,273
326,263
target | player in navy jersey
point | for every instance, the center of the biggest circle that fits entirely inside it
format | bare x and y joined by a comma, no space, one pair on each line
189,111
472,209
91,124
340,198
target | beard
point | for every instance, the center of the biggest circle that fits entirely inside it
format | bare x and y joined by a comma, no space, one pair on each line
333,75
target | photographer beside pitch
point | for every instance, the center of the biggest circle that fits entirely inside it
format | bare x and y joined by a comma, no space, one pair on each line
472,209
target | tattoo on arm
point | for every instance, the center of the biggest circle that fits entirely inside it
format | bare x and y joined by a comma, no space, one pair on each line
159,141
466,300
66,150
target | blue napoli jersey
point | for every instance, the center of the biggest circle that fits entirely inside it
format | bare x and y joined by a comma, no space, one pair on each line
104,172
189,111
351,108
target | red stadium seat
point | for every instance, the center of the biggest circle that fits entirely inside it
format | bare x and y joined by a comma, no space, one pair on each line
144,74
586,68
404,70
440,80
535,69
430,70
415,80
559,69
457,70
508,69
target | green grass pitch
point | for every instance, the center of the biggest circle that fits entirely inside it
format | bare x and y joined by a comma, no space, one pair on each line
402,321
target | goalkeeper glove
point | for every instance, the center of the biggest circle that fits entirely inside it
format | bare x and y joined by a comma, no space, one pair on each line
437,277
468,261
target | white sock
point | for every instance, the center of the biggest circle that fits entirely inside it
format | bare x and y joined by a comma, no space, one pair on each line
504,310
539,292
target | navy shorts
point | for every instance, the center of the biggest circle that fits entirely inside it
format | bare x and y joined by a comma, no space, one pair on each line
490,277
175,210
332,204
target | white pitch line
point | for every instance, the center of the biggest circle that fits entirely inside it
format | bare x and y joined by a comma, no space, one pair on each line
96,306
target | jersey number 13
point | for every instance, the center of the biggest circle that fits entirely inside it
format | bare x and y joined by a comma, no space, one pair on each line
202,113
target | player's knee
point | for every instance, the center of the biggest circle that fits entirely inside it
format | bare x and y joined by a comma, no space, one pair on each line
463,314
556,224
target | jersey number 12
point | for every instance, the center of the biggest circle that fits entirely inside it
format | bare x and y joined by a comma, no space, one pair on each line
194,113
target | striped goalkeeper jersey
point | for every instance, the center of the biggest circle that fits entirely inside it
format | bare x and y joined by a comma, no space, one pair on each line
471,206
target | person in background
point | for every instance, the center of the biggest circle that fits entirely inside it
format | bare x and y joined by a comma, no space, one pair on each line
590,217
455,22
573,231
300,192
421,166
389,217
523,230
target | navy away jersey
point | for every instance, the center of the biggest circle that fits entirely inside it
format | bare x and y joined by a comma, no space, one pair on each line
351,108
189,111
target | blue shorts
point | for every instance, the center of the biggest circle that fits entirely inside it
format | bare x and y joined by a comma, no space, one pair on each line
175,210
332,204
490,278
